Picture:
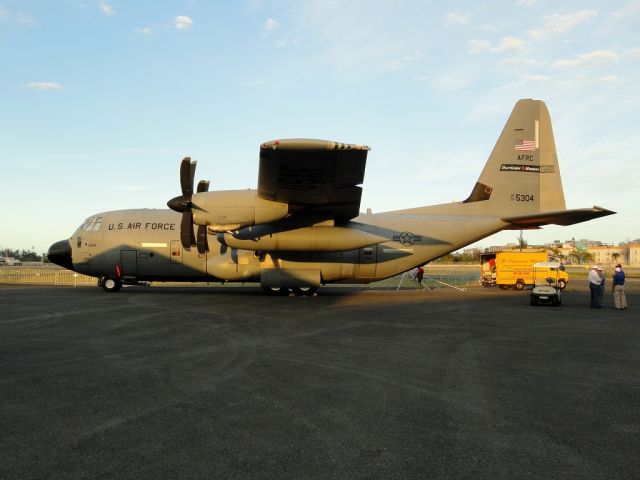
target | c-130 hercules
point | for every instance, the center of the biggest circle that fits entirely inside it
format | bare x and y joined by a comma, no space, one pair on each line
301,228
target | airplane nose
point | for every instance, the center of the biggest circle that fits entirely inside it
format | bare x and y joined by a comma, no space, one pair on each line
60,254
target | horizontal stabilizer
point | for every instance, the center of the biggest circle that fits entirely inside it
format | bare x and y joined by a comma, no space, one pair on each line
564,217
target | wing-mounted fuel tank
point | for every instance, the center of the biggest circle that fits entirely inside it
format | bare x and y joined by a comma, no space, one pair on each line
315,238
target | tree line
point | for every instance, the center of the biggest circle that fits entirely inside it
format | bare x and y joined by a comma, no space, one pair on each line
23,255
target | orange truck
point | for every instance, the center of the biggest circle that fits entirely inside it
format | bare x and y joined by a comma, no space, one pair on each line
508,269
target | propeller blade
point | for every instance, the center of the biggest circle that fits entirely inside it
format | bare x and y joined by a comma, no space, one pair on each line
187,237
203,243
187,173
203,186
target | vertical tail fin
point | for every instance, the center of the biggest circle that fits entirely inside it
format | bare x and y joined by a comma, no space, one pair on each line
522,176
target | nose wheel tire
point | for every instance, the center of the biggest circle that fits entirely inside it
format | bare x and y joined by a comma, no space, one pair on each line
110,284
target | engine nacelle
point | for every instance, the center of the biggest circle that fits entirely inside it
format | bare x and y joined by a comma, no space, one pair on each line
223,211
308,239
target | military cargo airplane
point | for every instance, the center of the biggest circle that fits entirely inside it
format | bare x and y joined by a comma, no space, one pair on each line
302,226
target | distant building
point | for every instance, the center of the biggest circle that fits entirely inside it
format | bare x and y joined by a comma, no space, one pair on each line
631,253
607,254
9,261
627,253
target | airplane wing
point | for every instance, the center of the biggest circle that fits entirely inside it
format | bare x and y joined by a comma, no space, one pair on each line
313,176
564,217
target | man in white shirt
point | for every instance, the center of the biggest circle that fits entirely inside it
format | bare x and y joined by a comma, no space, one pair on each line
594,286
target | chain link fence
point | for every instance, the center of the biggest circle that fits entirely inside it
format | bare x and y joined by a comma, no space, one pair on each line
435,276
45,275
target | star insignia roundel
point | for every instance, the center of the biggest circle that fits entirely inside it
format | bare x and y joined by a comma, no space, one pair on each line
407,239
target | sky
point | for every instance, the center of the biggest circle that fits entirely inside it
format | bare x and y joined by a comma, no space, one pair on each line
99,100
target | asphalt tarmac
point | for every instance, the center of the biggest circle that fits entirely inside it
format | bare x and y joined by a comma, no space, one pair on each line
153,383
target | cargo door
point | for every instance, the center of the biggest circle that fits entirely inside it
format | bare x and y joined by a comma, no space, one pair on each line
129,262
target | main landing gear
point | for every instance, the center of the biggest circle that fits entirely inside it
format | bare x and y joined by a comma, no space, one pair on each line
297,291
110,284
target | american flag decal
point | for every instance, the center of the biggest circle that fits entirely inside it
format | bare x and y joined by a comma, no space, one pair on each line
526,145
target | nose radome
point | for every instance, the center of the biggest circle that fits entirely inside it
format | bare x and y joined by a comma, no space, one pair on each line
60,254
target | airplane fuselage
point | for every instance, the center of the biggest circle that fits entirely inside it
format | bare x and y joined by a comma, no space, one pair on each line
144,245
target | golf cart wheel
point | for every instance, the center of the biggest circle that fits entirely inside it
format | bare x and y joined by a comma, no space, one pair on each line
556,301
533,300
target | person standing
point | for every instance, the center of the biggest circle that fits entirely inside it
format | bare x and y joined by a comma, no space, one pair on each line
617,287
419,275
601,289
594,286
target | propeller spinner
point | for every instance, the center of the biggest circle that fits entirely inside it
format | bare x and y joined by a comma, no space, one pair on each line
184,205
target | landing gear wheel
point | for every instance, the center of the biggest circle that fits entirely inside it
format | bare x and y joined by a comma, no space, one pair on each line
519,285
304,291
562,284
275,291
110,284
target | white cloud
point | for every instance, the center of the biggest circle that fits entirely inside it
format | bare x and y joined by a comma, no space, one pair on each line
521,62
450,84
144,31
635,53
42,86
457,19
270,25
106,8
183,22
591,59
374,41
21,18
478,46
535,78
509,43
487,27
527,3
608,79
402,62
555,25
506,44
25,19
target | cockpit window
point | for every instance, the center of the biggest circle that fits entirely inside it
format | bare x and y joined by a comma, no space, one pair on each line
92,224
